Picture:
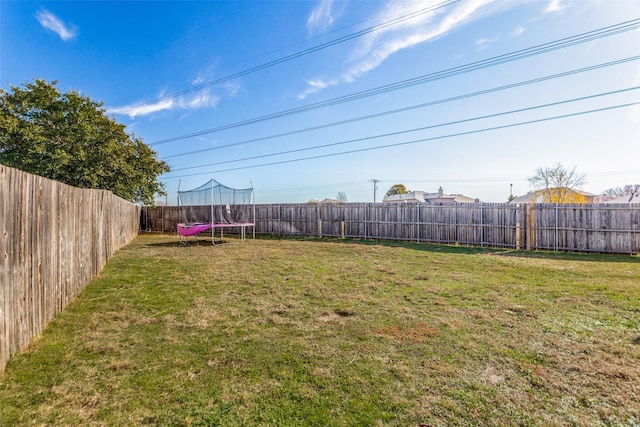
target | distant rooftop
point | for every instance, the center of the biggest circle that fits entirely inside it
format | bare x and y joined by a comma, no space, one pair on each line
431,198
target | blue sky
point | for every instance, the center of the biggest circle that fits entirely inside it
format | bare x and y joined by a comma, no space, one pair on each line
216,88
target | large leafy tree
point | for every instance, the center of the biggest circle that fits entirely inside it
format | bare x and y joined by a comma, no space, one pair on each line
397,189
69,138
558,184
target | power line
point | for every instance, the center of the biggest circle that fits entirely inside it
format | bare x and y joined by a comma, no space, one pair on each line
301,53
426,78
334,31
453,135
385,135
412,107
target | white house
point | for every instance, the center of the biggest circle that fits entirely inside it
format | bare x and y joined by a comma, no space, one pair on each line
438,198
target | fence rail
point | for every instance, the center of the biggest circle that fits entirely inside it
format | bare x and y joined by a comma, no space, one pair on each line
55,239
606,228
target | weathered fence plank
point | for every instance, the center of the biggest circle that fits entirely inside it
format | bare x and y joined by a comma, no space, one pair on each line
55,239
580,228
606,228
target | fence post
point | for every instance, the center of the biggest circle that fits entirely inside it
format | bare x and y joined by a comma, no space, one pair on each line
518,222
529,226
319,220
481,225
631,227
418,224
557,225
365,221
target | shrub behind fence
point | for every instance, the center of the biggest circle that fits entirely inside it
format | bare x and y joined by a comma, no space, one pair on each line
55,239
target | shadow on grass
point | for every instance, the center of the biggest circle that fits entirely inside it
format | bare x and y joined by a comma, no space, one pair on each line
471,250
191,243
427,247
574,256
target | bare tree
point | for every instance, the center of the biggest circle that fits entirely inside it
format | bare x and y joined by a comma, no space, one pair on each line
627,190
557,183
342,196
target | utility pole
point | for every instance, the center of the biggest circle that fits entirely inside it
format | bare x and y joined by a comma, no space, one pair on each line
375,187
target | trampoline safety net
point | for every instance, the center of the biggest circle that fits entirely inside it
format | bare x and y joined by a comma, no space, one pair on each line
216,203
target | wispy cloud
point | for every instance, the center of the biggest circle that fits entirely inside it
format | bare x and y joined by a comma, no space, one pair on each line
380,45
322,17
142,109
483,42
554,6
517,32
197,98
232,89
202,99
200,78
51,22
314,86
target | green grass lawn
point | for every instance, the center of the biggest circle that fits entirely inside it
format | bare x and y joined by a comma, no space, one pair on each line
337,333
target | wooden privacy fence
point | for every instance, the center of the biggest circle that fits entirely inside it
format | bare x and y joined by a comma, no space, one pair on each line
611,228
55,239
605,228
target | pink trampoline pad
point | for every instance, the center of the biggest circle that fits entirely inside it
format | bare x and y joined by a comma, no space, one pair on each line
193,228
